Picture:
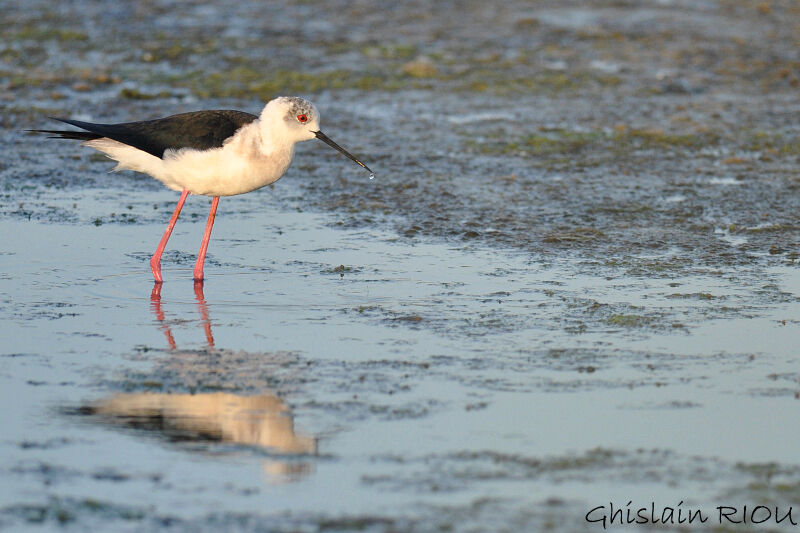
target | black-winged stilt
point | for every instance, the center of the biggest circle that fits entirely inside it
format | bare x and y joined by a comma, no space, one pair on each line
213,153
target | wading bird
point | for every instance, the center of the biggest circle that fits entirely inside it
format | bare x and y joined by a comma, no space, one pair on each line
212,153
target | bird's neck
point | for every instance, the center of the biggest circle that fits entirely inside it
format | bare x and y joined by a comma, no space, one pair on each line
275,140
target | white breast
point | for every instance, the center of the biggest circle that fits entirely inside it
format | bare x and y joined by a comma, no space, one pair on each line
243,164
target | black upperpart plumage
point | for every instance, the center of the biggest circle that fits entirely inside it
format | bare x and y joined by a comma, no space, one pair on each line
199,130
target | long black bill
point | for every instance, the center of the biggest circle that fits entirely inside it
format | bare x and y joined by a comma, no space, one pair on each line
327,140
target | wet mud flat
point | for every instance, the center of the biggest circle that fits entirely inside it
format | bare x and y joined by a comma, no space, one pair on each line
574,281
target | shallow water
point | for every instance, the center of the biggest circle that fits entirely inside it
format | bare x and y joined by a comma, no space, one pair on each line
573,282
408,378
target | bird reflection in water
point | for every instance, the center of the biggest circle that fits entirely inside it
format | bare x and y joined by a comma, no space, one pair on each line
155,304
262,421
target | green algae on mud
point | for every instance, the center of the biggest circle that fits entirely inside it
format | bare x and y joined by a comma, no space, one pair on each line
623,141
242,82
64,511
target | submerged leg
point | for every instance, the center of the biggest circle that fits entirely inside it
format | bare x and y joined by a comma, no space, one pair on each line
155,261
201,256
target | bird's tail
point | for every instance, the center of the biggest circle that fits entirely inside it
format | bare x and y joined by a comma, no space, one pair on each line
63,134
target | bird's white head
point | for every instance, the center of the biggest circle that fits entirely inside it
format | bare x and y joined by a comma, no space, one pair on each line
293,119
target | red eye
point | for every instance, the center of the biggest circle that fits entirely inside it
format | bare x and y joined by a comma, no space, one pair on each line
302,118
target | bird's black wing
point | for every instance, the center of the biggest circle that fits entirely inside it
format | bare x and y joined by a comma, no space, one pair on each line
200,130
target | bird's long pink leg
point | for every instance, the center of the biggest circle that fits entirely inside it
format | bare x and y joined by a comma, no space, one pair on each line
155,261
201,256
